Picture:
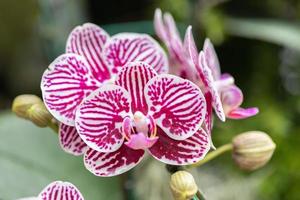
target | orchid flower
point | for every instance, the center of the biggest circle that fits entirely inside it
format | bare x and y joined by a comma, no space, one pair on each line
58,190
202,69
93,57
140,111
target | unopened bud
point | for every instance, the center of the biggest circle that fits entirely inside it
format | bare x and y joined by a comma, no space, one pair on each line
183,185
23,102
39,115
252,150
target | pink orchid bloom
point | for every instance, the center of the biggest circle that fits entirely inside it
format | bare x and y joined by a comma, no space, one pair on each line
93,57
202,69
58,190
140,111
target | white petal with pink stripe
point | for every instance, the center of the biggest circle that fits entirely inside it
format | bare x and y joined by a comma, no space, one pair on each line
99,118
123,48
59,190
180,152
70,141
113,163
177,105
88,41
66,82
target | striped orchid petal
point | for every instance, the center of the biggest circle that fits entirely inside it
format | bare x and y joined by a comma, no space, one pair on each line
133,77
88,41
183,152
212,59
100,117
209,82
59,190
113,163
176,104
70,141
208,115
66,82
129,47
204,72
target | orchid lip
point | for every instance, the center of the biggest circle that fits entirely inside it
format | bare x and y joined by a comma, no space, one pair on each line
135,129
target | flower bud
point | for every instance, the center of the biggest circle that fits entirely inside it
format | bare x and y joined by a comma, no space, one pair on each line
23,102
183,185
252,150
39,115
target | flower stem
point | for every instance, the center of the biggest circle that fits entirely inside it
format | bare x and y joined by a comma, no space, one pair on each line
212,155
53,125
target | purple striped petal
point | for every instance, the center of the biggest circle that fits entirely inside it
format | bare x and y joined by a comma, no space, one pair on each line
177,105
159,27
66,82
242,113
129,47
113,163
209,83
190,46
70,140
59,190
88,41
208,115
183,152
133,77
100,117
212,59
232,98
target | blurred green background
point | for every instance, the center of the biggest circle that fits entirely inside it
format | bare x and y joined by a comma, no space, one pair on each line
258,42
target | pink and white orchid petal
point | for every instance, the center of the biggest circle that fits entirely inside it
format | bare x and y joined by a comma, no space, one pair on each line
183,152
208,81
190,46
123,48
113,163
159,26
59,190
66,82
70,141
208,116
232,98
212,59
242,113
88,41
100,117
177,105
140,141
133,77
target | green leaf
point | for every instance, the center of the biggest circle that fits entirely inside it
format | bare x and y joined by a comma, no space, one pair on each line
278,32
31,158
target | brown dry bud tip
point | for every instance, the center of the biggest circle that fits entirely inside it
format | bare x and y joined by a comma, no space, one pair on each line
39,115
252,150
183,185
23,102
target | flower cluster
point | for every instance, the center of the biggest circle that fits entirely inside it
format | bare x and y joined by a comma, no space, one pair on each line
115,99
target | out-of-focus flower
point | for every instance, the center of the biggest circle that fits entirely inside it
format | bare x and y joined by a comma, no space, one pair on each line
252,150
22,103
183,185
93,57
202,69
58,190
142,111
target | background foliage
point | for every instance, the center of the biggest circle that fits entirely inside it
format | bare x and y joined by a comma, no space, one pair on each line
258,42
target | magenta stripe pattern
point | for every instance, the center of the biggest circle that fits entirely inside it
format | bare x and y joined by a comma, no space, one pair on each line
113,163
129,47
180,152
133,77
70,140
212,59
65,83
88,41
177,105
59,190
99,118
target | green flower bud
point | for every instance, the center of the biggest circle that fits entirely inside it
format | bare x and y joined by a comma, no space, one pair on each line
183,185
252,150
22,103
39,115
